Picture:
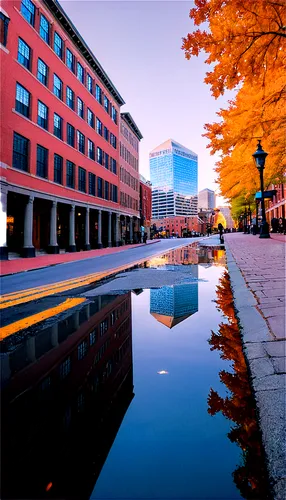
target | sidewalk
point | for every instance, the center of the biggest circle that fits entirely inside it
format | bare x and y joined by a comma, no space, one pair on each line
19,265
257,273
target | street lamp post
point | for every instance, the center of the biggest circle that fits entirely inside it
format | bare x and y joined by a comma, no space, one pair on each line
259,157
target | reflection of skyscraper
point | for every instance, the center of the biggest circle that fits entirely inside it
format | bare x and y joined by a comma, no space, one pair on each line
171,305
66,393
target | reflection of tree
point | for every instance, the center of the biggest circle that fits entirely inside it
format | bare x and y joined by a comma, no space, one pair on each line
238,406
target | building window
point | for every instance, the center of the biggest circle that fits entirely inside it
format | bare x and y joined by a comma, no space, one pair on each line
24,54
4,22
89,83
20,152
80,107
70,98
82,350
106,160
114,193
98,94
80,142
58,87
106,134
93,337
91,151
58,169
22,100
28,11
113,140
99,187
80,72
106,190
91,183
99,156
65,368
58,126
113,166
98,126
70,174
42,162
58,45
70,60
81,179
106,104
114,114
70,135
45,29
90,117
42,72
42,115
103,327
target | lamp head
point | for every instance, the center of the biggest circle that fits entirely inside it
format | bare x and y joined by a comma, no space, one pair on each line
259,156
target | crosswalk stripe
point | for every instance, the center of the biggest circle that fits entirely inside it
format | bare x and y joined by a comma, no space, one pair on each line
15,327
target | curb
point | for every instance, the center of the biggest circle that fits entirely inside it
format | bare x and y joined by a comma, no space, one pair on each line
71,261
268,387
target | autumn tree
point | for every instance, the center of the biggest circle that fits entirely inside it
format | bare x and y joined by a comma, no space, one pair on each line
244,42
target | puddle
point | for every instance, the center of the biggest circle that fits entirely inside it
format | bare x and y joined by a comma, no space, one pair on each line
141,394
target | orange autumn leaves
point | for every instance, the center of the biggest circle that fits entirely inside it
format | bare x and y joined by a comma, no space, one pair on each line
245,45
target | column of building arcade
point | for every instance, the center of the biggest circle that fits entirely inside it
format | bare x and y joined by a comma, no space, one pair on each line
60,225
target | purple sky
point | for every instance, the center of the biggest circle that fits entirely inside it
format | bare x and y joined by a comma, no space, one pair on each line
138,43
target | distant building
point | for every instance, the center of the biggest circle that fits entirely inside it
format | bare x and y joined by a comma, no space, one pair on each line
206,199
174,178
277,206
130,137
145,204
177,225
227,215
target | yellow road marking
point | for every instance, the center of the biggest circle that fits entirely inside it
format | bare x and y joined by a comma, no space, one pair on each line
30,294
5,331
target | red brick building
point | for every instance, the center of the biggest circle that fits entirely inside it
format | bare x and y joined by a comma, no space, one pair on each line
145,204
276,207
130,137
178,226
60,136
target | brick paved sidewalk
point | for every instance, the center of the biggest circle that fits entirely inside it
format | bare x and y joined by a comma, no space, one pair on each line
257,273
19,265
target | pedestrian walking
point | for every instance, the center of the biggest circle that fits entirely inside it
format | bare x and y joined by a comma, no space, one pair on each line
281,225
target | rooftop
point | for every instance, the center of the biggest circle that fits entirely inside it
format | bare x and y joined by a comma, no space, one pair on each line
170,144
129,120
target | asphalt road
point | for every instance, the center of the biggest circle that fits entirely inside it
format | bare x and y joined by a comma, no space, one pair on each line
60,272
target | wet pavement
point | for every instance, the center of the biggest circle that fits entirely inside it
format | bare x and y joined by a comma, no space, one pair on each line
140,392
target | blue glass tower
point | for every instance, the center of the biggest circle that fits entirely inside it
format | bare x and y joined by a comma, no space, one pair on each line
174,178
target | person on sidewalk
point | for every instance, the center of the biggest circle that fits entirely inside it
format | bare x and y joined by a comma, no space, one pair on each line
145,238
220,229
281,225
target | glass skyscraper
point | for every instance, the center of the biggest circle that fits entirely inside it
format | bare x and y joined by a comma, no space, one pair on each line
174,178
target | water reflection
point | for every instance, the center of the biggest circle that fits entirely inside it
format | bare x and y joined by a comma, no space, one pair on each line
238,406
65,394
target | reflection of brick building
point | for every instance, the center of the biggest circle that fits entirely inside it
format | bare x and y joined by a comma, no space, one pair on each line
65,393
178,225
145,204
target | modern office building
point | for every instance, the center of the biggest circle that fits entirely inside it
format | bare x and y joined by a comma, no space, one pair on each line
206,199
60,133
174,179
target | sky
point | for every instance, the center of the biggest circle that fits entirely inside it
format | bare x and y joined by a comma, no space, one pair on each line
138,43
